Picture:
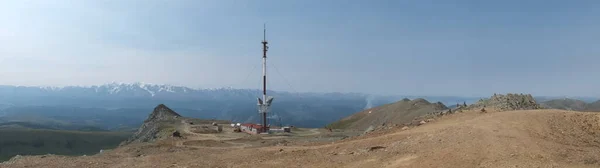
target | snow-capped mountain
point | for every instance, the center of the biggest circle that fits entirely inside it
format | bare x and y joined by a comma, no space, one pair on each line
302,109
128,90
222,103
150,89
140,90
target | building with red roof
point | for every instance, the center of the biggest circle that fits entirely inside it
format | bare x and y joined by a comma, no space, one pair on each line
252,128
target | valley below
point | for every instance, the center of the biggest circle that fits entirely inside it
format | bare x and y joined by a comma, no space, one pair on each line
27,141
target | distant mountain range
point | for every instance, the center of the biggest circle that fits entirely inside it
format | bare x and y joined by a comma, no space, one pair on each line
125,105
112,105
572,104
548,98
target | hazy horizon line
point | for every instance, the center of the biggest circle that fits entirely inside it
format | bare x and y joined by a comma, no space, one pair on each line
239,88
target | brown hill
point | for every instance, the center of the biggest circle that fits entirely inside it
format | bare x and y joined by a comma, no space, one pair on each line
565,104
401,112
507,102
572,104
159,124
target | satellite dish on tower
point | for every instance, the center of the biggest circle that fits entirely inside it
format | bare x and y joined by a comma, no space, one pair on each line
269,100
260,102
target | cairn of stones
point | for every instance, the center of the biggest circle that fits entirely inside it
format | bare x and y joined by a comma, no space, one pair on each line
508,102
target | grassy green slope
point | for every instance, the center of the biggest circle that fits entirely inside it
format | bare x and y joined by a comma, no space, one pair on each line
38,141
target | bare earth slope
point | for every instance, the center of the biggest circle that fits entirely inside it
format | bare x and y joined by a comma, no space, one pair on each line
400,112
529,138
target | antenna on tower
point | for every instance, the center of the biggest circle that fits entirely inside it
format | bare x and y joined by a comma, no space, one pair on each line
265,103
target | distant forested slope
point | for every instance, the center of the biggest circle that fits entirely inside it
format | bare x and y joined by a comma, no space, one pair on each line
39,141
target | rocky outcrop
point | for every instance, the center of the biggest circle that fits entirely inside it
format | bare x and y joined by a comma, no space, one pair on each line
162,112
439,106
156,122
507,102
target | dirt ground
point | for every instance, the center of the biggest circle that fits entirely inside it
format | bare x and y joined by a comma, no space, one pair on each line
533,138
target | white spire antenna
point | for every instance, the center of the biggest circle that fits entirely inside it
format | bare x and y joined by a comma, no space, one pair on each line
265,103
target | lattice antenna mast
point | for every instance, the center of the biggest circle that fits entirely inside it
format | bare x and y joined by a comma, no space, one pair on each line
263,107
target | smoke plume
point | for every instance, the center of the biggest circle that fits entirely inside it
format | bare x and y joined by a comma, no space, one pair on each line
369,102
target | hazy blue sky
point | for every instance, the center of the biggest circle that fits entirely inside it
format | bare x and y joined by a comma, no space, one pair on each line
387,47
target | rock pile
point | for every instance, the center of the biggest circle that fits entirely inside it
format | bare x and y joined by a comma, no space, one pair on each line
507,102
177,134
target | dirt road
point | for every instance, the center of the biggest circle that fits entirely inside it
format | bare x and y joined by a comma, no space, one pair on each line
203,141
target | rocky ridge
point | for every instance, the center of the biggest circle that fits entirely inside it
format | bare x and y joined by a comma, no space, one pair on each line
159,120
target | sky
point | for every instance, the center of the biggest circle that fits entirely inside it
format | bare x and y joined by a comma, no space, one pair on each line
410,47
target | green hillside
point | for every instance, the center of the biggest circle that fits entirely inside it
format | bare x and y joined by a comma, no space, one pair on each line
40,141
